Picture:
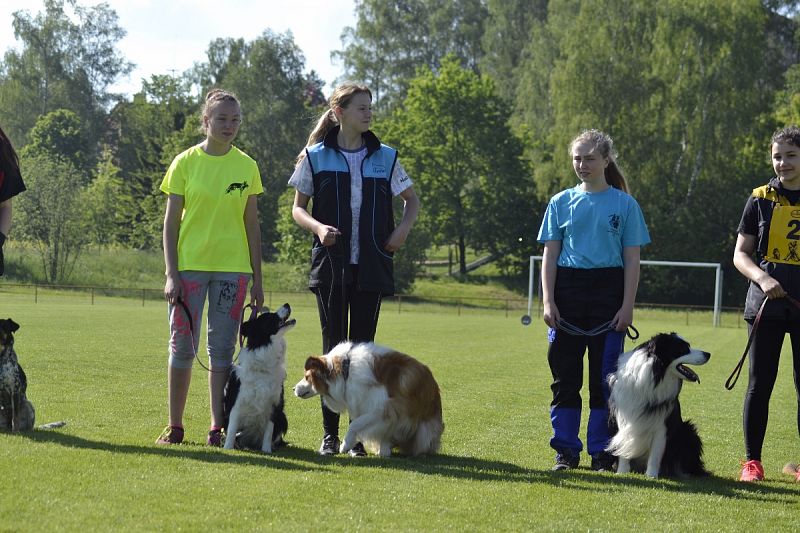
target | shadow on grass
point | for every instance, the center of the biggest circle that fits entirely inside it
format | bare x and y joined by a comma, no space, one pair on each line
467,468
187,450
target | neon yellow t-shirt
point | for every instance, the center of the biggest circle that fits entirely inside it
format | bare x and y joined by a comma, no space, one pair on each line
215,189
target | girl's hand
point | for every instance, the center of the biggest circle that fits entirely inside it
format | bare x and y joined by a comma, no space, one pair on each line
772,289
395,240
173,289
550,314
257,294
327,235
622,319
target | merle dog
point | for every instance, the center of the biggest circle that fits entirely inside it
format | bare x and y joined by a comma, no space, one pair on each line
16,412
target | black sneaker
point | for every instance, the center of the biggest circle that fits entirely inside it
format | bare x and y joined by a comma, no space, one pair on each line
566,460
603,462
358,450
330,445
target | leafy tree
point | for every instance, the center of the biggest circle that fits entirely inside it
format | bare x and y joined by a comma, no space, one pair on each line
509,25
392,39
454,136
60,133
65,62
109,209
679,85
50,213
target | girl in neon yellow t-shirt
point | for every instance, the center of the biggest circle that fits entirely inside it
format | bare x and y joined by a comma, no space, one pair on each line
212,249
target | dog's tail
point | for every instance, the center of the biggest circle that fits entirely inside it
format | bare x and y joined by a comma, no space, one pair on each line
53,425
428,437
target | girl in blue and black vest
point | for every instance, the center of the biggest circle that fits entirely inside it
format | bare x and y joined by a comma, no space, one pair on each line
351,178
592,235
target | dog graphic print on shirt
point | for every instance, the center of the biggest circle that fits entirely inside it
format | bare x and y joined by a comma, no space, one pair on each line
241,187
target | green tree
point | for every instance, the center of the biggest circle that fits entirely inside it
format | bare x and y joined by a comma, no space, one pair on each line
679,85
509,24
66,61
392,39
60,133
109,209
454,136
50,213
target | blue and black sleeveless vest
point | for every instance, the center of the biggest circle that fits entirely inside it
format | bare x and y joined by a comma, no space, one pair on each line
331,206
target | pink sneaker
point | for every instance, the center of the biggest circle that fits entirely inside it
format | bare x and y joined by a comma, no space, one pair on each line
752,471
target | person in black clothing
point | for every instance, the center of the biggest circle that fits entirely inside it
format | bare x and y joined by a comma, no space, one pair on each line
351,177
11,184
766,254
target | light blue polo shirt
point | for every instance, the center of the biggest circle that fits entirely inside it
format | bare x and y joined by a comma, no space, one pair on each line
593,227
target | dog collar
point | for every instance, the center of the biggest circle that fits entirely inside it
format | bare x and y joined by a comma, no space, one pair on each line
345,367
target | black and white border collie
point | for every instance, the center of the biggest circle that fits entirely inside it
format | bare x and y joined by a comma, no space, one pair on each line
652,437
392,399
254,393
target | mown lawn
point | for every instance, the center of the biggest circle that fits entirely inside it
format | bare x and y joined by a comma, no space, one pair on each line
102,368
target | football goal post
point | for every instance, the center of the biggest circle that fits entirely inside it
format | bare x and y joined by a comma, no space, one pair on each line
526,319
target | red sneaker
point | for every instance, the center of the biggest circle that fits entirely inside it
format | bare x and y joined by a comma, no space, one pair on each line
752,471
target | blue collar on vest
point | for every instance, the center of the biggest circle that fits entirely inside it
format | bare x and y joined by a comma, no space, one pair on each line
370,139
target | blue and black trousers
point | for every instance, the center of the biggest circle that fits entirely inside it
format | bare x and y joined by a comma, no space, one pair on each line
587,299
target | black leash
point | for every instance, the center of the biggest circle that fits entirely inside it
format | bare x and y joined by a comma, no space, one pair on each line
734,377
253,314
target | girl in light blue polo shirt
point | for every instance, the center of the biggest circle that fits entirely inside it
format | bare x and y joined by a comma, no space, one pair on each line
592,236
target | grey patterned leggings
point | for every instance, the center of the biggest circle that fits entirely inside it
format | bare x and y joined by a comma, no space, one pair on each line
226,292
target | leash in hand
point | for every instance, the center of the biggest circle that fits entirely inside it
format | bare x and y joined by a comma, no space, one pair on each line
734,377
253,314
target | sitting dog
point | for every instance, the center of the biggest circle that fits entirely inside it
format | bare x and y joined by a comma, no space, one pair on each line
652,436
16,412
254,393
392,399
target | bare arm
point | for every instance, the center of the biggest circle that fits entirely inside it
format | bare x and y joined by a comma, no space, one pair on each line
552,249
5,216
326,234
410,212
632,265
173,290
744,263
253,230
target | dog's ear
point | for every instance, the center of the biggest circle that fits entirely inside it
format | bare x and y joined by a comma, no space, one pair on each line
315,363
246,328
10,325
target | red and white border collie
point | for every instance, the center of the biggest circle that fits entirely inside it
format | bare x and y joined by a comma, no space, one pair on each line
392,399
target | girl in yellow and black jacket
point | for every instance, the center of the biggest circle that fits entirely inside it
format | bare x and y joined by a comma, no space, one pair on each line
768,254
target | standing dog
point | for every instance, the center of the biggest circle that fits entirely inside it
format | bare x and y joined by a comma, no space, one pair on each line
16,412
391,397
254,394
644,403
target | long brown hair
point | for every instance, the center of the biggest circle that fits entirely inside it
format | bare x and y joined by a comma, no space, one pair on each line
341,97
605,147
8,157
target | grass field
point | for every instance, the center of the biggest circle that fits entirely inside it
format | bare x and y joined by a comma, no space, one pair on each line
102,369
